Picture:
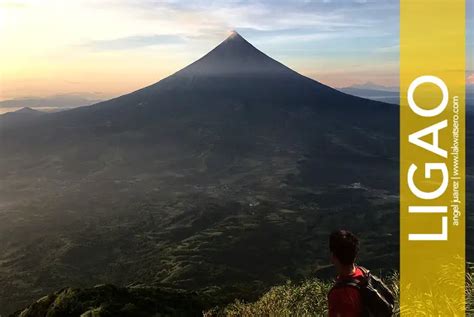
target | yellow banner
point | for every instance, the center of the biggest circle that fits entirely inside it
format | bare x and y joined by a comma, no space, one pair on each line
432,159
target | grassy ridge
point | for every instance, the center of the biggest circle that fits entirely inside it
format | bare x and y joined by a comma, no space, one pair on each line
307,298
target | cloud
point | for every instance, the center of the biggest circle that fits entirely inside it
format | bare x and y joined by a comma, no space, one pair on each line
470,79
133,42
389,49
12,4
322,16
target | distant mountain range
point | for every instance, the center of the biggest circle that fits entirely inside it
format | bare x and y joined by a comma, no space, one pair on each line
227,175
52,103
23,115
373,86
392,95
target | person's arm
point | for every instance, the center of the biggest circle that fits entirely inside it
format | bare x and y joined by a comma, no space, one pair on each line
344,302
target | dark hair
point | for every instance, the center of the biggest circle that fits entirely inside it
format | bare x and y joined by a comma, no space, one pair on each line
344,245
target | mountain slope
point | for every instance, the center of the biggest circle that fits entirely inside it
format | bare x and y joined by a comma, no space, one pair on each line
232,87
230,172
234,56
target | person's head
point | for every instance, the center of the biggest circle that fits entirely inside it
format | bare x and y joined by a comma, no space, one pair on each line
344,246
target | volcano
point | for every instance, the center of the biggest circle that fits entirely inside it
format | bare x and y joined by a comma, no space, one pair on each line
234,94
231,171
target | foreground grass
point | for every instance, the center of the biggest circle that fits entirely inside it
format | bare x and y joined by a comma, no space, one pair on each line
304,299
309,298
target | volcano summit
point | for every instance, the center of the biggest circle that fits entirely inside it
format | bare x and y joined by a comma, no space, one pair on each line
228,173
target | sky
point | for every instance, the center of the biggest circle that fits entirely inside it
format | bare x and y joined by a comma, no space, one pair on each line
104,48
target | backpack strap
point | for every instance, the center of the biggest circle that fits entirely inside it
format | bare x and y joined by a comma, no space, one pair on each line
364,270
353,282
346,283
